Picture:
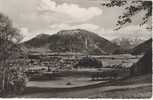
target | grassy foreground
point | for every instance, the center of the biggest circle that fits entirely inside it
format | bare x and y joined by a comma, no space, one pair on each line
143,91
135,87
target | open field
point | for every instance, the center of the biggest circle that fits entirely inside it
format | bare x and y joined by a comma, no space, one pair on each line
141,88
117,89
126,92
63,82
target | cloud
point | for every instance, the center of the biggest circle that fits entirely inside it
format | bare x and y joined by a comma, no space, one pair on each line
58,27
72,10
24,31
27,34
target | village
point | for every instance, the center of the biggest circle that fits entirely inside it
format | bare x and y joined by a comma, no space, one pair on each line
89,65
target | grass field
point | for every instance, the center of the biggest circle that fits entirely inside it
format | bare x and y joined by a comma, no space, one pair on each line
63,82
138,92
142,91
129,88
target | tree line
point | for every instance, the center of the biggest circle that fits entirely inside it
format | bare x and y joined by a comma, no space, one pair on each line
12,78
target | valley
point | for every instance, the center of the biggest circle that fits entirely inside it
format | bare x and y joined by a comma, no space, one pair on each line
56,64
60,71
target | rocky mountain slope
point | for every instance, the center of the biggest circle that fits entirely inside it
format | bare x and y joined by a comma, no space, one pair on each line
142,48
77,41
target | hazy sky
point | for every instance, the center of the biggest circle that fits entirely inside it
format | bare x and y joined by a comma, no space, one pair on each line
33,17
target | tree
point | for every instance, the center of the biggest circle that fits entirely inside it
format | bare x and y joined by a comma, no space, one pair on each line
132,7
89,62
11,73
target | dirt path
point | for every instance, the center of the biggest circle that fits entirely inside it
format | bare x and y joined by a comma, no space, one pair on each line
84,93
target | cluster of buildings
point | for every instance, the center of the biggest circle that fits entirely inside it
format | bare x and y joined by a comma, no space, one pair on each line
60,61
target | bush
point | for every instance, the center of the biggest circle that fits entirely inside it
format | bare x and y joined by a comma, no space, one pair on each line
15,82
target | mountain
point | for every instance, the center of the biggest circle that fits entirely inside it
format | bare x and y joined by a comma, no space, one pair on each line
144,65
38,41
77,41
127,43
142,48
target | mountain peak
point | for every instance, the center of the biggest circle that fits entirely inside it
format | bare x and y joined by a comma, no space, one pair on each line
75,41
42,35
72,32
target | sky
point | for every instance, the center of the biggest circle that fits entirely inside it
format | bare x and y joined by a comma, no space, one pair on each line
35,17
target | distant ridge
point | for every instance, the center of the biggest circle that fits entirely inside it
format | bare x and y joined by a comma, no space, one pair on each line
142,48
78,41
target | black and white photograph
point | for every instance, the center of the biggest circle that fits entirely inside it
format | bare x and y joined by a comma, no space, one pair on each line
86,49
